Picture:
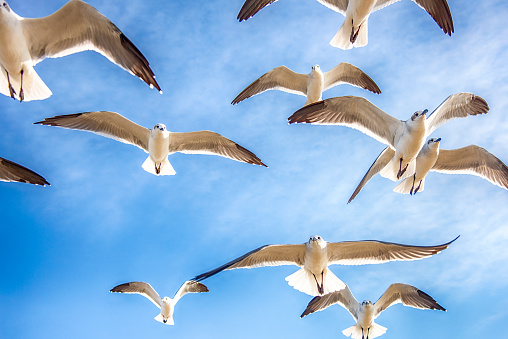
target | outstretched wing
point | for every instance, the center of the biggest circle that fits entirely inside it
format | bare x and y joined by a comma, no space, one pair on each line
78,27
251,7
407,295
107,124
138,287
281,78
190,286
343,297
377,252
350,111
438,10
347,73
473,160
381,161
268,255
10,171
459,105
206,142
339,6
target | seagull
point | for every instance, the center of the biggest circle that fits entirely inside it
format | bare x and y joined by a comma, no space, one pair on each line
314,257
366,312
471,159
12,172
157,142
311,85
353,31
406,138
75,27
166,304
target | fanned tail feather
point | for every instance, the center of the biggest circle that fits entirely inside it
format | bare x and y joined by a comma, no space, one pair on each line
160,319
355,332
342,38
33,86
165,167
405,186
392,168
304,281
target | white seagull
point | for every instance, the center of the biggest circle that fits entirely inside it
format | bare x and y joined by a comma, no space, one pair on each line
311,85
157,142
12,172
406,138
353,31
75,27
166,304
314,257
366,312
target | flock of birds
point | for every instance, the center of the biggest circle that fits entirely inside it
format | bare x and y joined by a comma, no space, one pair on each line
408,157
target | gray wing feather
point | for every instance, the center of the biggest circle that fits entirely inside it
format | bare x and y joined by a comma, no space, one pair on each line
77,27
381,161
339,6
473,160
251,7
407,295
347,73
281,78
206,142
350,111
10,171
343,297
268,255
377,252
142,288
108,124
190,286
459,105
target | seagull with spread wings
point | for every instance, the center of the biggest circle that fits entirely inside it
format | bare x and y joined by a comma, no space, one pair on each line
75,27
311,85
353,31
366,312
166,304
12,172
314,257
157,142
405,138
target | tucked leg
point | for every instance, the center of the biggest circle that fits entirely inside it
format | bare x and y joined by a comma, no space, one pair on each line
12,92
21,93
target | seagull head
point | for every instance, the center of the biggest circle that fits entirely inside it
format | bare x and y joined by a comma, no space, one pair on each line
317,241
5,6
419,115
366,302
433,141
160,127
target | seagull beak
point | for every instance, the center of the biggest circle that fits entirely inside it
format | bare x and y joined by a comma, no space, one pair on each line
438,139
425,111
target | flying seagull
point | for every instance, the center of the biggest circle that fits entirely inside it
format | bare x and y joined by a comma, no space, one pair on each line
75,27
406,138
157,142
353,31
166,304
311,85
12,172
314,257
366,312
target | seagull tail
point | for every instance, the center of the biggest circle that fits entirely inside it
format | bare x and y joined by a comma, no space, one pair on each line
303,280
33,86
408,186
392,168
355,331
342,38
169,320
164,168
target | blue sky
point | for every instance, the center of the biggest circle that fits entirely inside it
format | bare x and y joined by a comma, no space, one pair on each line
105,221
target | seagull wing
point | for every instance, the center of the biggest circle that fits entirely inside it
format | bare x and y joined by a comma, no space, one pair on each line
473,160
281,78
343,297
108,124
206,142
251,7
190,286
268,255
438,10
77,27
377,252
339,6
347,73
381,161
407,295
138,287
459,105
10,171
354,112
